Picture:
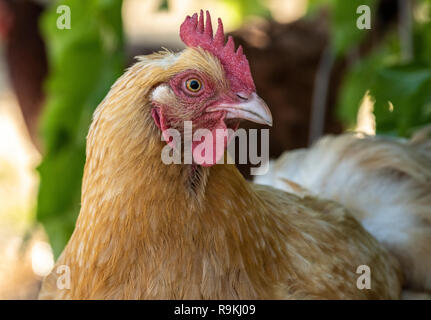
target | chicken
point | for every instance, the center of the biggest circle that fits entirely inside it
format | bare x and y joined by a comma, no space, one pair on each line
385,183
147,230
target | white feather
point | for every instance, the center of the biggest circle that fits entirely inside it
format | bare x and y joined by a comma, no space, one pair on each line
386,184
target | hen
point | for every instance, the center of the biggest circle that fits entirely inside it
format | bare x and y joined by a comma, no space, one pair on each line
147,230
385,183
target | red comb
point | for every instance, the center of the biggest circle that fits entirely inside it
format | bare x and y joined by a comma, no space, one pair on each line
194,34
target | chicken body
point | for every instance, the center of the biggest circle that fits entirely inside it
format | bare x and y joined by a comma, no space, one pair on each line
152,231
385,183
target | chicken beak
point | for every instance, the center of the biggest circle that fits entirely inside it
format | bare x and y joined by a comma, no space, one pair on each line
253,109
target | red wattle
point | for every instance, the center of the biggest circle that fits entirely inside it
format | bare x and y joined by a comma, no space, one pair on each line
214,141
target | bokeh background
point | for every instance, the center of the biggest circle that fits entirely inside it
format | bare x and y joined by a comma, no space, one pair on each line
316,70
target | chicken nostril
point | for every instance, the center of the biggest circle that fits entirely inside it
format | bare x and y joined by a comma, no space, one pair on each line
242,97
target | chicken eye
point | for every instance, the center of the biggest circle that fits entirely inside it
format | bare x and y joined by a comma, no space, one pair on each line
193,85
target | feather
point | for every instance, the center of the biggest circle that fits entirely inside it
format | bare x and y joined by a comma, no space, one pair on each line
385,183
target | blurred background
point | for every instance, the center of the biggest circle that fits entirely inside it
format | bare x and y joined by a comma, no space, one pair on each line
316,70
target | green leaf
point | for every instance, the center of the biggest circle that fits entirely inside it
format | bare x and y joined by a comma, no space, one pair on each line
408,88
402,91
84,61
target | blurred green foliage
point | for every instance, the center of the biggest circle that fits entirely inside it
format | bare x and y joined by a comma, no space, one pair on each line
241,9
343,29
164,5
389,77
84,62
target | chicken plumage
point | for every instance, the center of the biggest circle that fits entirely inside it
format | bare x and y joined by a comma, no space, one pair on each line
147,230
384,182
